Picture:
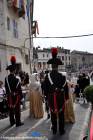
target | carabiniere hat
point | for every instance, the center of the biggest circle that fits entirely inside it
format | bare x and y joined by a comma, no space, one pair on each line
12,66
54,59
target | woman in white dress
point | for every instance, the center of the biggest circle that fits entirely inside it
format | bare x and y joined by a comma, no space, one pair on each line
36,104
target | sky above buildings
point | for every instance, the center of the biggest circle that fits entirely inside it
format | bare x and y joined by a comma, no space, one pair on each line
65,18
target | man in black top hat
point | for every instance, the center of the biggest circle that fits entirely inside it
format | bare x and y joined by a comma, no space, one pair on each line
14,94
56,90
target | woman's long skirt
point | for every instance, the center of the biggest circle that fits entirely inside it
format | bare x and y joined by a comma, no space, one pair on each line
36,105
69,110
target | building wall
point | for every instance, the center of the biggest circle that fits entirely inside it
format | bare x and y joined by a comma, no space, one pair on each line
45,54
2,25
3,56
3,63
81,60
22,27
43,57
15,46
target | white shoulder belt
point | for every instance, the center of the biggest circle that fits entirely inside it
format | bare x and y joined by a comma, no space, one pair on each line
50,80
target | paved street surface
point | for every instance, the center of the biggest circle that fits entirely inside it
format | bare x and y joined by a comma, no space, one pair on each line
40,128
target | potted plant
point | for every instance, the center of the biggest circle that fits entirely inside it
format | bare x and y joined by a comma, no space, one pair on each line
88,91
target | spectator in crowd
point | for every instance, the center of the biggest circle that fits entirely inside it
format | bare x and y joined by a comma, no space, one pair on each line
77,92
83,81
3,101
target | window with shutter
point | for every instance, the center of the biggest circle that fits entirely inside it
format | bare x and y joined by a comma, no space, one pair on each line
15,29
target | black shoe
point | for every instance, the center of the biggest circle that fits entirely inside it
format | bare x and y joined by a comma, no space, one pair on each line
12,124
54,132
62,132
20,124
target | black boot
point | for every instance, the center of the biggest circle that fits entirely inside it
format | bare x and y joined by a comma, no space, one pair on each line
19,124
54,131
12,124
62,132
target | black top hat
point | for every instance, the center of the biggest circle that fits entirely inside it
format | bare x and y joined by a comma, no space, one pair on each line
54,59
12,67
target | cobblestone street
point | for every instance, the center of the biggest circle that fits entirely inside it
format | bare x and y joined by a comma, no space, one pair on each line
41,128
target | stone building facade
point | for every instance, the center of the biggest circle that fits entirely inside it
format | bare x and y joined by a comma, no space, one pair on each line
43,55
81,61
13,32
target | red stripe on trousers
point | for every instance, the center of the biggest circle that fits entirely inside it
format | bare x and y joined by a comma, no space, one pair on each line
55,103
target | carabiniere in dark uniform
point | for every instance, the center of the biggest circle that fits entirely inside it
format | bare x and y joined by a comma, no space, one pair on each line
56,90
14,94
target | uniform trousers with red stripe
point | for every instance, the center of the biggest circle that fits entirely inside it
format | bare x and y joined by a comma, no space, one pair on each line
15,112
60,118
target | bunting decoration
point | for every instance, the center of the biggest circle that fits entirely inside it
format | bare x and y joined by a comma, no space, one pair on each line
10,3
21,10
29,10
15,5
18,7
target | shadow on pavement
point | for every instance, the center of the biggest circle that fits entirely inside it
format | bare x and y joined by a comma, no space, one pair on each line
68,128
17,131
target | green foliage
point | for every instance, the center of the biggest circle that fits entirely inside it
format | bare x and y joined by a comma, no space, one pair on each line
89,93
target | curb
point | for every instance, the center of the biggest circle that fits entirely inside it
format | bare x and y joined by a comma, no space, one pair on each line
85,132
91,128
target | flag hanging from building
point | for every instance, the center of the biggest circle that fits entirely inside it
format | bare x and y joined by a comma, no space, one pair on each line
35,29
19,8
28,7
16,3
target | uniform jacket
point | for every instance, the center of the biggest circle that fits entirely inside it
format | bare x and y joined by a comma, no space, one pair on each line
62,94
13,81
